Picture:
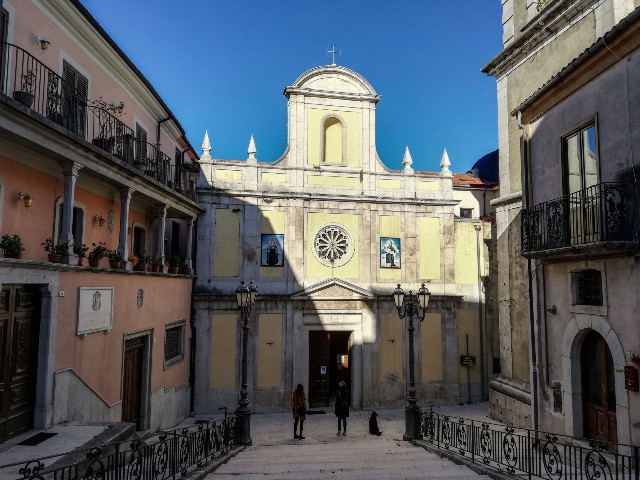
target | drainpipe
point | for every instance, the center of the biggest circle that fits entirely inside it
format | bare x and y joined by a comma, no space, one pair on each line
160,122
532,330
480,318
192,356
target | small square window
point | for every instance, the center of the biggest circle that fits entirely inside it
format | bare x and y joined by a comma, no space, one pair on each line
466,213
587,287
174,344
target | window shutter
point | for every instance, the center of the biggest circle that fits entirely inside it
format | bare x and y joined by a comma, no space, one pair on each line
4,21
75,89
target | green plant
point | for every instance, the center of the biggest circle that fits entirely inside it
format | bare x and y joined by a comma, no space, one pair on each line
80,250
48,245
113,255
99,250
12,245
28,82
157,261
175,261
59,249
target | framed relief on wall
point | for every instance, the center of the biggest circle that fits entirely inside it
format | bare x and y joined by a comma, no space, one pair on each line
272,249
389,252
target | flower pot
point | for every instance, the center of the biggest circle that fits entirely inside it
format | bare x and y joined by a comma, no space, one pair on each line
155,268
94,262
184,270
105,144
114,264
55,257
142,267
80,261
25,98
173,269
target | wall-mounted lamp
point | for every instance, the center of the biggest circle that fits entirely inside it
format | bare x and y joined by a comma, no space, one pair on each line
553,310
100,219
26,198
44,43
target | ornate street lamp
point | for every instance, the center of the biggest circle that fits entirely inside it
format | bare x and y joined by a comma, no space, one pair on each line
246,297
407,307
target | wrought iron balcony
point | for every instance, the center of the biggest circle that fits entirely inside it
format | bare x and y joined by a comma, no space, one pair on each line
599,219
32,84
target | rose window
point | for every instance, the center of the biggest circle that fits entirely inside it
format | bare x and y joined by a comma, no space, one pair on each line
333,246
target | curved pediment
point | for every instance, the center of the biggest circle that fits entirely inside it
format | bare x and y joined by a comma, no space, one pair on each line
333,80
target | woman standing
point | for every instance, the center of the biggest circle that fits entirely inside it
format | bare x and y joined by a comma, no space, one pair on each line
342,407
299,407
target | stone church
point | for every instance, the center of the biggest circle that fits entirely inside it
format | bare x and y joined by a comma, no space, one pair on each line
326,232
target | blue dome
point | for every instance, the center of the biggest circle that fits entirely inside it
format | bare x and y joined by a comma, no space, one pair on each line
486,168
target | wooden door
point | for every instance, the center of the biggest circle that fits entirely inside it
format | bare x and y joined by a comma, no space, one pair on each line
598,389
318,369
132,381
19,327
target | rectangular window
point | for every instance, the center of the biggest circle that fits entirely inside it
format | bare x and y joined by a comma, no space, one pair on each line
174,343
77,224
466,213
139,241
587,287
579,152
75,90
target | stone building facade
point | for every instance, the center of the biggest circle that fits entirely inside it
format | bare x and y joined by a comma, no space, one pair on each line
326,233
555,51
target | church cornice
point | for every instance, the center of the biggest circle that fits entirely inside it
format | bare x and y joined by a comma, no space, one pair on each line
308,92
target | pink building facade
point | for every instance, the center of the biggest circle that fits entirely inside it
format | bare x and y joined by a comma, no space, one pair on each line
89,153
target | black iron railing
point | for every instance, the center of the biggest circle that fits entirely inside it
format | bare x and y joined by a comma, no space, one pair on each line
32,84
520,454
175,453
603,213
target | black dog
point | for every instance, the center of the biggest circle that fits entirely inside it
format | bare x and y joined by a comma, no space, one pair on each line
373,424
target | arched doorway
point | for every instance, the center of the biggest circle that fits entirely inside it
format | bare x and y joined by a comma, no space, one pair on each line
598,387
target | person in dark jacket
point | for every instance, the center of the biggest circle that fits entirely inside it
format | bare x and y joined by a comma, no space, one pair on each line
342,407
299,407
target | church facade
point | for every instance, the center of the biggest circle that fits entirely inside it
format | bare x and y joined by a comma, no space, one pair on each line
326,233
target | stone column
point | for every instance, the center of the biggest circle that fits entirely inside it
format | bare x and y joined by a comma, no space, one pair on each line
162,217
189,261
123,248
70,170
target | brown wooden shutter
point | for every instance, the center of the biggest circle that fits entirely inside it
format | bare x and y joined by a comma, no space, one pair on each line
75,89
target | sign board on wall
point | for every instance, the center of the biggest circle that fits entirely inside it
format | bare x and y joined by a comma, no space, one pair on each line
467,361
95,309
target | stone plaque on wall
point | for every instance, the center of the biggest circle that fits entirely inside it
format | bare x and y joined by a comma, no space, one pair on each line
95,310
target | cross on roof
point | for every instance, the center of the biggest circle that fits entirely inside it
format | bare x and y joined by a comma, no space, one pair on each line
332,51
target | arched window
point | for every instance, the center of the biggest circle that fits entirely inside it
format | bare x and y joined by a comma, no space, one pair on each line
333,141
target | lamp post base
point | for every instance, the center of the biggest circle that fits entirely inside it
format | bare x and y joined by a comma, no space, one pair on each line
412,423
243,427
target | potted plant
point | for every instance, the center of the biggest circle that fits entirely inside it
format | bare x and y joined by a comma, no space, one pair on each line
114,258
191,167
174,264
143,262
99,252
54,108
54,252
27,89
12,246
133,259
156,263
81,251
184,268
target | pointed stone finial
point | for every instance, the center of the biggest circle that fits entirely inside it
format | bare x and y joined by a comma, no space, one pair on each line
251,151
206,145
445,164
407,161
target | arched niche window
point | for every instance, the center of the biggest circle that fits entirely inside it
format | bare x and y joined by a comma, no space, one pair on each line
333,141
77,222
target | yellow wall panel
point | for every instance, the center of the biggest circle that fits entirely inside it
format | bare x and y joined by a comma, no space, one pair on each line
229,174
391,358
223,350
273,177
467,323
315,134
272,222
395,184
428,186
431,348
226,248
315,269
269,350
335,181
429,240
466,254
390,227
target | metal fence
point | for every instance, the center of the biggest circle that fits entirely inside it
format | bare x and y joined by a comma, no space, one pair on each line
31,83
520,454
172,454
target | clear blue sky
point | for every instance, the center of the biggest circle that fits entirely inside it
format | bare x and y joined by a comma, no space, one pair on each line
221,66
